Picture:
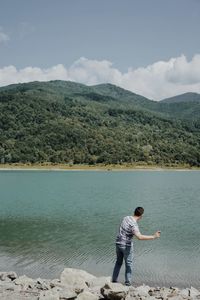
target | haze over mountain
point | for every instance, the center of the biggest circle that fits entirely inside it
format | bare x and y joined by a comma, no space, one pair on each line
67,122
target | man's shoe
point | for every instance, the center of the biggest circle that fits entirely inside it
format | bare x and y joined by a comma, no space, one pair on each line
127,283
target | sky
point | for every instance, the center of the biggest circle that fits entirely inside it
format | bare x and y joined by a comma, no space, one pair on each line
150,47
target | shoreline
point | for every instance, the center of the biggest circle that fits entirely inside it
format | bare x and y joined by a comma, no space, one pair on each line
67,167
81,285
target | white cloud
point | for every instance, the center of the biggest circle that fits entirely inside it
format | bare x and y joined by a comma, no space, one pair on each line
157,81
3,36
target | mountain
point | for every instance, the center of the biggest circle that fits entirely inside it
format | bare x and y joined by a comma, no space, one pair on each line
187,97
67,122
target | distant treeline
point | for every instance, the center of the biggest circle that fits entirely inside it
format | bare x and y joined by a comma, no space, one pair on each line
62,122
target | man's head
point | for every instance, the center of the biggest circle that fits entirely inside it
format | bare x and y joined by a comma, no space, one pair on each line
138,212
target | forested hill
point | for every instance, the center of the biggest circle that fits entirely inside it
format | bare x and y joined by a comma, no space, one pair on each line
67,122
187,97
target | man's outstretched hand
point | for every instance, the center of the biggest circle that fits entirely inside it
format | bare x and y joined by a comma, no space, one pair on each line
157,234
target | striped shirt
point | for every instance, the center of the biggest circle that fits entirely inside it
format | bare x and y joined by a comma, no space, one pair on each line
127,230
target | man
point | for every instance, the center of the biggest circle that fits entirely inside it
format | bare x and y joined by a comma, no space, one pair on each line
124,244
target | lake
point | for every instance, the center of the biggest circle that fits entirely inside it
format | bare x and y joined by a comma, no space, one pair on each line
50,220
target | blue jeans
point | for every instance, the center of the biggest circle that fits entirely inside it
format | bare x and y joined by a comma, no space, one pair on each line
126,253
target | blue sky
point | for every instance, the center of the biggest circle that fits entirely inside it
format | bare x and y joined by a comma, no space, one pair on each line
94,41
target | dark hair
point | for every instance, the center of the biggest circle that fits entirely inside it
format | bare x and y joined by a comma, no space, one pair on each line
139,211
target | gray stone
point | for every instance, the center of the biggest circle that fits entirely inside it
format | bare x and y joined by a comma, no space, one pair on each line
49,295
184,293
99,281
42,284
160,293
8,287
194,292
114,291
178,297
18,296
87,296
66,294
75,277
25,282
96,284
12,275
56,282
173,291
7,276
142,291
4,276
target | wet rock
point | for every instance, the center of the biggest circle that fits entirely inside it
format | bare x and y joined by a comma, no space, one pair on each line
114,291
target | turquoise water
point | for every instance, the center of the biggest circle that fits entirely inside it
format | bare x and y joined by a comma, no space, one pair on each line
50,220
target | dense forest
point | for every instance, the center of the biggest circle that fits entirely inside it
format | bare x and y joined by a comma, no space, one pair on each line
66,122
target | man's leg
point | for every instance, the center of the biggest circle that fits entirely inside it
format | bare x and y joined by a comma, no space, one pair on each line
128,257
118,263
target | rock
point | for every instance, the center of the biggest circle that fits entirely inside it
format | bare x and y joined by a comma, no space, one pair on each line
66,294
179,297
12,275
25,282
75,277
8,276
56,282
49,295
114,291
18,296
173,291
142,291
7,286
99,281
194,292
96,284
87,296
160,293
184,293
42,284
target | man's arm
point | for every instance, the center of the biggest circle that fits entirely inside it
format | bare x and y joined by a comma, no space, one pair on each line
140,236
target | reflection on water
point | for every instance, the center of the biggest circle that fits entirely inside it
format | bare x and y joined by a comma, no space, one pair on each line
52,220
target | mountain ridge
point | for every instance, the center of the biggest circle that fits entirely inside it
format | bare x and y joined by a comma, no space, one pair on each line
62,122
186,97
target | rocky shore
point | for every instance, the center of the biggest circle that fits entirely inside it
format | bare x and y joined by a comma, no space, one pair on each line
80,285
